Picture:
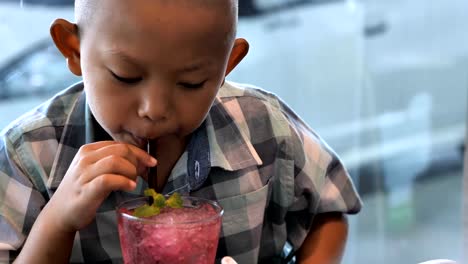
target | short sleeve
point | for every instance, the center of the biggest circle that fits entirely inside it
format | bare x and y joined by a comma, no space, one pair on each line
321,182
20,203
320,176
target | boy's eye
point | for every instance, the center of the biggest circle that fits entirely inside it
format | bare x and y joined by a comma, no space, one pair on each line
126,79
192,85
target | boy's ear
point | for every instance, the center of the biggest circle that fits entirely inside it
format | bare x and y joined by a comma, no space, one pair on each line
65,36
239,51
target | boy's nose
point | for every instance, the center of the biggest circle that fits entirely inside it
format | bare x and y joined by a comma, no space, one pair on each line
155,105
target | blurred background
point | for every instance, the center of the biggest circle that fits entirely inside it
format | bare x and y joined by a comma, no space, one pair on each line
383,82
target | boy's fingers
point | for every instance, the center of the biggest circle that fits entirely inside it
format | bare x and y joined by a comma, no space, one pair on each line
143,156
133,153
112,165
101,186
96,145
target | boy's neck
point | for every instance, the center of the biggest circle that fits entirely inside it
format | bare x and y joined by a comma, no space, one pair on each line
167,151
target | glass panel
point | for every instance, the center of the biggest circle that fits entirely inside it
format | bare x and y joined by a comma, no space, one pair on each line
465,202
31,68
43,72
417,65
383,82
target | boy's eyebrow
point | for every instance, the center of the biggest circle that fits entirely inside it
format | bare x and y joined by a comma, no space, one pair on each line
123,56
186,69
193,67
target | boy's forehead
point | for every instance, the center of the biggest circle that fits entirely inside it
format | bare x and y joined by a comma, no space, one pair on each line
105,15
156,28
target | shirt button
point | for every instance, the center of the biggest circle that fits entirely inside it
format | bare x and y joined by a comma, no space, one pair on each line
197,170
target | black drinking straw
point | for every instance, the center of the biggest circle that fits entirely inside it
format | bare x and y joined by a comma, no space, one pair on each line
153,172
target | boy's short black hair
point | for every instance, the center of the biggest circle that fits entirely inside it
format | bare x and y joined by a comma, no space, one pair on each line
84,10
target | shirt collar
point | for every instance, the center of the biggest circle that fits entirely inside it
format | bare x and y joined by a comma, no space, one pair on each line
230,148
219,142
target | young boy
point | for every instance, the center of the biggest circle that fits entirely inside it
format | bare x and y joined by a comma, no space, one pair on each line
153,71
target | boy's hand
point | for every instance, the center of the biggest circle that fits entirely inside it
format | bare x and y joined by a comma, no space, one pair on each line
97,169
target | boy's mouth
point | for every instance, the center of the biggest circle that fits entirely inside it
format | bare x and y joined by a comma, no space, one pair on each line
138,141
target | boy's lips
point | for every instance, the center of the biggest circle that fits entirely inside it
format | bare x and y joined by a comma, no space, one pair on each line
140,142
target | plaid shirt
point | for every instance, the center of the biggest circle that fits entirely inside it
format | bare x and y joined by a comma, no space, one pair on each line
269,171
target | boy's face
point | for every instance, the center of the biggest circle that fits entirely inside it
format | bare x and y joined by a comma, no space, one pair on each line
151,69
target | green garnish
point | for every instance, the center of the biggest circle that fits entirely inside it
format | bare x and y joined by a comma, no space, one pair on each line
159,202
158,199
174,201
146,211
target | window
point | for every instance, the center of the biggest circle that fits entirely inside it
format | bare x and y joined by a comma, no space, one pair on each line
41,71
383,82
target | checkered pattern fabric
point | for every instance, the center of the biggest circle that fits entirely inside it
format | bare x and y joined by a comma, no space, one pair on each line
269,171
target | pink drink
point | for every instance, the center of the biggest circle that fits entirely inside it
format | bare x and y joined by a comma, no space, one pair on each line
185,235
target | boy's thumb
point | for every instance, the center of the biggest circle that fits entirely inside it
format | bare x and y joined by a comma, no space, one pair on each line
228,260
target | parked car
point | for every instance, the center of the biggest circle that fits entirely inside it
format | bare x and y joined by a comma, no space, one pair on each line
31,78
31,68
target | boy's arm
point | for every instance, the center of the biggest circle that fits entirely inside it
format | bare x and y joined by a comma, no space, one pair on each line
46,243
326,240
96,170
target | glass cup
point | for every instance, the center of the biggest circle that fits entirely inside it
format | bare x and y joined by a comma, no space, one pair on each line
184,235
